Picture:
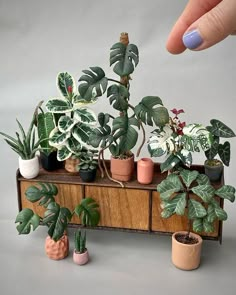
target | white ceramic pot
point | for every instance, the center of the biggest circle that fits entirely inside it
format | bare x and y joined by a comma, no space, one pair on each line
29,168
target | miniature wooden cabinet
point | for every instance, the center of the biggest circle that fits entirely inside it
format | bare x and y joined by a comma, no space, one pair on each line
135,207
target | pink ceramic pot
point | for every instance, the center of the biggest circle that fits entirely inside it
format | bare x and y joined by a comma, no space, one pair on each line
80,258
145,168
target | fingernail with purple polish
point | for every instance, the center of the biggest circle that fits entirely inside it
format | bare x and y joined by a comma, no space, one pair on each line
192,39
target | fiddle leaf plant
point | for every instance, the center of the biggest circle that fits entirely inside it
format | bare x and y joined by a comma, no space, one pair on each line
190,193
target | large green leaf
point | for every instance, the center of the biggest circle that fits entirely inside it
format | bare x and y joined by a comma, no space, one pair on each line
59,105
45,125
27,219
64,80
81,133
88,212
177,204
208,227
189,176
203,179
45,193
168,186
73,145
220,129
195,209
213,151
205,192
94,83
198,225
211,215
125,58
101,136
226,192
118,96
150,110
57,219
224,152
85,115
123,130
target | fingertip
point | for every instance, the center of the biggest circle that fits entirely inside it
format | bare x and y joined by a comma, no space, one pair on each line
175,47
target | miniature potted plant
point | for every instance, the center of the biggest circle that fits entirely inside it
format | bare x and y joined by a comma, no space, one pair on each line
45,123
120,134
214,166
55,217
75,123
190,193
80,254
177,141
26,146
87,166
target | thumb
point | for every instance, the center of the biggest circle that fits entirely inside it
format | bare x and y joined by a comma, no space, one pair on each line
212,27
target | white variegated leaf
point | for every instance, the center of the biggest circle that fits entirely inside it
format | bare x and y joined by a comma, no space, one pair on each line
65,124
73,145
81,133
59,105
57,138
85,116
63,153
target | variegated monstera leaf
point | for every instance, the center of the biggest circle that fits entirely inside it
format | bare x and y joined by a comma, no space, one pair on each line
72,133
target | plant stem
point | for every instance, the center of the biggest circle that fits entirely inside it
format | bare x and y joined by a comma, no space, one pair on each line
113,80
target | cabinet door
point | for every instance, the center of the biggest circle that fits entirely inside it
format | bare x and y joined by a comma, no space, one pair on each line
120,207
174,223
69,195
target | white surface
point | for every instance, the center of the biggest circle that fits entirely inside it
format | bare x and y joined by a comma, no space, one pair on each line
40,38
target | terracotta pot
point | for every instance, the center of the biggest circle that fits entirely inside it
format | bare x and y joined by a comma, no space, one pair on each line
80,258
186,256
71,164
57,250
29,168
122,169
145,168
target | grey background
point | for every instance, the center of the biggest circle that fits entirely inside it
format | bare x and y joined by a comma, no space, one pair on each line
38,39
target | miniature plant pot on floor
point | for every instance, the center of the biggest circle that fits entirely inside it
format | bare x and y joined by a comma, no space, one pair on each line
29,168
80,258
186,256
145,168
57,250
122,169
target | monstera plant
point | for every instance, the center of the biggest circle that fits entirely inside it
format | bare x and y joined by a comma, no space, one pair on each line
75,120
55,217
120,134
178,141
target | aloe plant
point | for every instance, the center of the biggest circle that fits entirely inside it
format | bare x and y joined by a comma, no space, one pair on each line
76,120
80,241
25,143
55,217
190,193
120,134
219,130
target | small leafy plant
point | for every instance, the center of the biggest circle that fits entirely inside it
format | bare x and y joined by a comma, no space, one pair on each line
219,130
177,141
80,241
87,161
25,143
56,218
190,193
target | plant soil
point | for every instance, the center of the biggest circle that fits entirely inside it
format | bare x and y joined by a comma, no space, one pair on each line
186,239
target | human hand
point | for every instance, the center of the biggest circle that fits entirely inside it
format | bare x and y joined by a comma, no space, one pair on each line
202,24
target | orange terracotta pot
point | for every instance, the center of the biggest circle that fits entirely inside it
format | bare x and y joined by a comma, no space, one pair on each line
186,256
71,164
57,250
81,258
145,169
122,169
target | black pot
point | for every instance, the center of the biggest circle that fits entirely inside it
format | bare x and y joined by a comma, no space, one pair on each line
213,172
88,175
50,162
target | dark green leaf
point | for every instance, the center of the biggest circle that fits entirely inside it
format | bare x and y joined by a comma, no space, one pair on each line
224,152
226,192
27,219
220,129
188,176
88,212
195,209
168,186
64,80
118,96
205,192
